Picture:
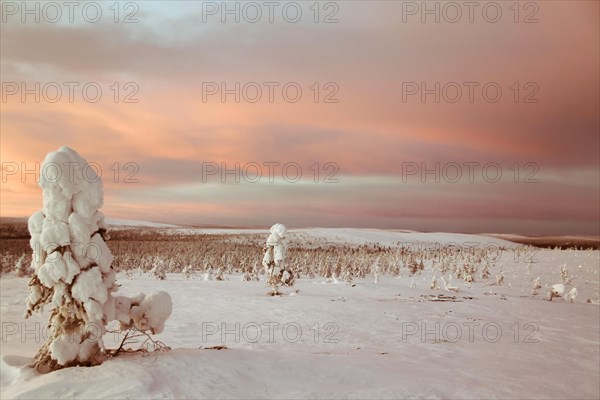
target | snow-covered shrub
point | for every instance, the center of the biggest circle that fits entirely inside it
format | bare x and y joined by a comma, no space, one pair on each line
246,277
6,262
468,277
288,278
144,313
458,271
73,268
444,267
557,290
415,266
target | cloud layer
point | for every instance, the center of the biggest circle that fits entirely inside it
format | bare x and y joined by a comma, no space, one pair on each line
373,133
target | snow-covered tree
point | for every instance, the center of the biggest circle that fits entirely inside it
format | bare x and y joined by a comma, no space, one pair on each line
448,284
333,279
529,267
564,274
73,269
158,271
188,271
485,271
500,277
376,270
348,276
537,285
274,259
572,295
21,267
255,274
434,284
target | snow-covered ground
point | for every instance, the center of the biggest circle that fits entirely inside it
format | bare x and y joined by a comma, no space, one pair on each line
357,236
394,339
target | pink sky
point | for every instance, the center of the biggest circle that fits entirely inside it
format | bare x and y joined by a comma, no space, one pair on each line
370,133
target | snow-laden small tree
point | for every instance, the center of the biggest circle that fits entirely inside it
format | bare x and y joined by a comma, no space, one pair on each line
188,271
529,267
158,271
274,259
564,274
434,283
572,295
73,269
537,285
22,268
448,284
255,274
485,271
500,277
347,274
376,270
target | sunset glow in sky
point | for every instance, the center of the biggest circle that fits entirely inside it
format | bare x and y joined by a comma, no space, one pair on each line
542,132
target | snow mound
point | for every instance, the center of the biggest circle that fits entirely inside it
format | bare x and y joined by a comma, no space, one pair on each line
10,368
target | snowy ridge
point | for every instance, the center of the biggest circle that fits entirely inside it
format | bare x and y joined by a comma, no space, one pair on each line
358,236
116,222
390,237
355,236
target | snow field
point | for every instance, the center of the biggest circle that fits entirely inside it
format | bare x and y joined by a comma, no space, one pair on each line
384,340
